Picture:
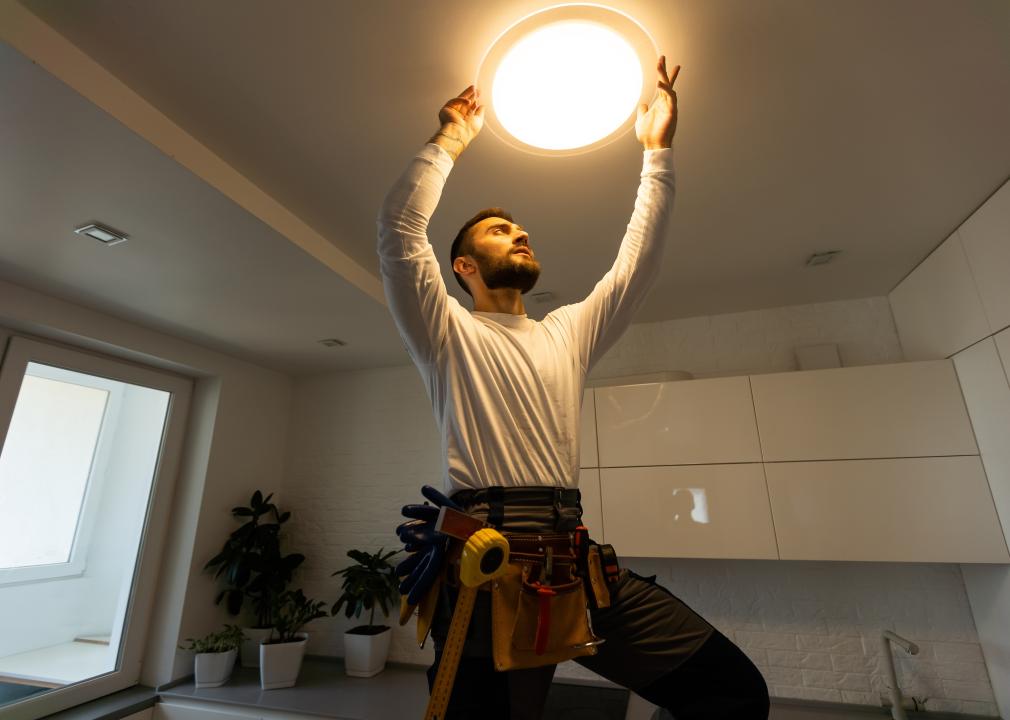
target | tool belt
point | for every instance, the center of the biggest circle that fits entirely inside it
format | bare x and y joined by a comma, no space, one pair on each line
540,605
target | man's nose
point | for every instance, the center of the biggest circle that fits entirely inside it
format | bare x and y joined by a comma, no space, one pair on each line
522,238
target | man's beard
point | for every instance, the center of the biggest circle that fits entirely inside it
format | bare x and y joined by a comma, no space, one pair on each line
519,275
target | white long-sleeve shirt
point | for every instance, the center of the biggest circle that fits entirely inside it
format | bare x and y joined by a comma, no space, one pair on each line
507,390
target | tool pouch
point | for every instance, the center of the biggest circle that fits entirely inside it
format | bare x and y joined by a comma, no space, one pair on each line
536,623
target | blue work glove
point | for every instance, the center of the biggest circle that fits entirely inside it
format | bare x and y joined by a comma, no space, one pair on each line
427,547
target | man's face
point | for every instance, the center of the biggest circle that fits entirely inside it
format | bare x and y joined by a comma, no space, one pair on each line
503,255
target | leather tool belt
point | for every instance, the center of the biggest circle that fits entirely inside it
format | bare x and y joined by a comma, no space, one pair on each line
539,607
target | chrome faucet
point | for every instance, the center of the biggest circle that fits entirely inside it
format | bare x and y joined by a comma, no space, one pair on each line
886,638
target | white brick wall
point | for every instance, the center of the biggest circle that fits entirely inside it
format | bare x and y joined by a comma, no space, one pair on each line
362,444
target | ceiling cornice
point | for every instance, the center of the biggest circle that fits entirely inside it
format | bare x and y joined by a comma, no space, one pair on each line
28,34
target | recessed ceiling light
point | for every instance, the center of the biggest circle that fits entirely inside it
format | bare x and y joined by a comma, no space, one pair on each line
567,79
101,233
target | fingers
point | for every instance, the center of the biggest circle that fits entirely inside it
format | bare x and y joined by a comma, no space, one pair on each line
470,96
406,567
428,513
438,498
666,80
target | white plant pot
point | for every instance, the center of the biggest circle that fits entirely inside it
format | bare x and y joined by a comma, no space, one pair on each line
280,663
214,669
251,645
365,655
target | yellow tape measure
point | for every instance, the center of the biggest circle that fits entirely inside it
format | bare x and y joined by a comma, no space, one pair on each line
484,557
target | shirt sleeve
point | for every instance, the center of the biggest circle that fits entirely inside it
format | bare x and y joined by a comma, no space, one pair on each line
599,320
411,277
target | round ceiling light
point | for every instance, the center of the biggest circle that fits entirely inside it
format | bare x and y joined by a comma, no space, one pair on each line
567,79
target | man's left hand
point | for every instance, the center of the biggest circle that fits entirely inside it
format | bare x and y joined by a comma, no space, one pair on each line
657,123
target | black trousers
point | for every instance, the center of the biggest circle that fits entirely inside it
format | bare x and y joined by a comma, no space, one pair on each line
655,645
718,682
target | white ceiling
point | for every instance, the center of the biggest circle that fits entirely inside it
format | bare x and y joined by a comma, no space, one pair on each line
196,265
873,127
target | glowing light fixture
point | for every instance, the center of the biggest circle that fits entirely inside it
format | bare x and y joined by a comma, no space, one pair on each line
567,79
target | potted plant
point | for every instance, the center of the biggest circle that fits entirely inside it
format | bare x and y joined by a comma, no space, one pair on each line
254,568
370,582
281,656
215,656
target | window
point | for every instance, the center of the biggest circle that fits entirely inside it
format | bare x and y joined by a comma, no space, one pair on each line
88,451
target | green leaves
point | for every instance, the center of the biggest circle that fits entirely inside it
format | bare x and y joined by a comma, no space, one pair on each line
223,641
371,581
293,611
251,560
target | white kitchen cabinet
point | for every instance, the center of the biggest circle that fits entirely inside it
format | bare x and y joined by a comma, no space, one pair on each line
588,455
1003,348
936,308
936,509
986,239
874,411
987,395
688,511
592,508
677,423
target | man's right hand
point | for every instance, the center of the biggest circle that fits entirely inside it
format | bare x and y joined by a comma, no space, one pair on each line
462,118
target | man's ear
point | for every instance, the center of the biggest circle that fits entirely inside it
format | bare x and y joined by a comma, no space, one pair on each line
464,265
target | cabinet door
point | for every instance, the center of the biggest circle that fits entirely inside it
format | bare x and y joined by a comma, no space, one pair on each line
592,510
936,309
875,411
1003,348
588,456
986,239
987,395
900,510
690,511
677,423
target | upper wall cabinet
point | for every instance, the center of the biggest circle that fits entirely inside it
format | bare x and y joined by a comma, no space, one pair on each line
677,423
986,239
874,411
1003,348
588,456
936,308
897,510
987,394
689,511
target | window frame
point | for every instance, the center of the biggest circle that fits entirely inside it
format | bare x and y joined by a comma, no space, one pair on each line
20,351
86,518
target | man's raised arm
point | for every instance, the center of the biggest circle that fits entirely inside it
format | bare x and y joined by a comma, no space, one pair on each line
410,274
608,310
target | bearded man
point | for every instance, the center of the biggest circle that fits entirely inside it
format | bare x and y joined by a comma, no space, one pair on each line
506,392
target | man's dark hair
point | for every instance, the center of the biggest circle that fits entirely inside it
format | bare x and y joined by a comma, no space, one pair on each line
463,245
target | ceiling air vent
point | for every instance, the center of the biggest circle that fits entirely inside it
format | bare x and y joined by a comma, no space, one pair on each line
822,258
101,233
542,297
332,342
